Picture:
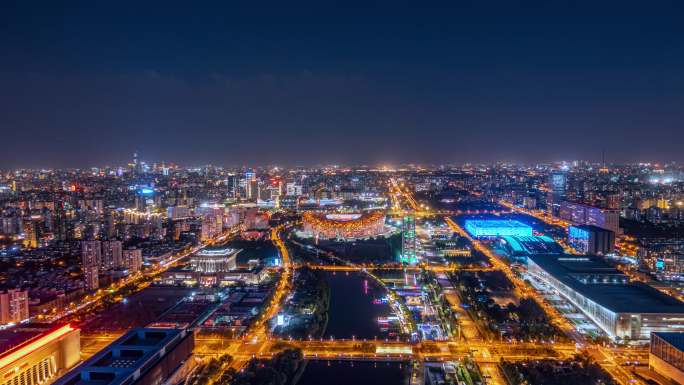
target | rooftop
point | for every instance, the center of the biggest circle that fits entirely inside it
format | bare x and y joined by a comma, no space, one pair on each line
19,343
532,245
675,339
135,351
493,223
592,277
21,334
217,252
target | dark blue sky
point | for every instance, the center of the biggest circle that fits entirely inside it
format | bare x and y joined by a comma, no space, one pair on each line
87,83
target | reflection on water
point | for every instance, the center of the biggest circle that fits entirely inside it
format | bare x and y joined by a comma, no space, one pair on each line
355,373
354,306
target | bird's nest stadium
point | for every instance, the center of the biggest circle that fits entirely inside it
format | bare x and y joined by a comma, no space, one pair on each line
345,225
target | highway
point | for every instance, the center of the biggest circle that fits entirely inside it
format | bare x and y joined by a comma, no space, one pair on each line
490,352
365,267
256,340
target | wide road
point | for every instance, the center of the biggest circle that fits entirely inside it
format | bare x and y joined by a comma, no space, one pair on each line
256,341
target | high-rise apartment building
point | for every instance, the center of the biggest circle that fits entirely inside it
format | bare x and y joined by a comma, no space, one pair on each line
111,254
14,306
91,258
132,259
582,214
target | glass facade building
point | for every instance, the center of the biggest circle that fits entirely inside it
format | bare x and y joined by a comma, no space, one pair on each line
666,356
591,239
622,309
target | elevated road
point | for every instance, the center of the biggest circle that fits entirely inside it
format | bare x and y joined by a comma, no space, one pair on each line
446,269
384,350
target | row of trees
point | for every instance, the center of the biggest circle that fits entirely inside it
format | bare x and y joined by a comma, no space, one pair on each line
524,321
580,370
283,369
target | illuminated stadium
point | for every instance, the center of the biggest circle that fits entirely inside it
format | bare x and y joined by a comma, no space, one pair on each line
352,225
491,228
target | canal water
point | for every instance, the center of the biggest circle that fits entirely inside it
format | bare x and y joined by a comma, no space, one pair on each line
355,305
356,373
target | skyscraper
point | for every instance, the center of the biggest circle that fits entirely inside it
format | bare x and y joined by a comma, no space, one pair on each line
408,240
30,233
251,186
557,186
232,186
60,222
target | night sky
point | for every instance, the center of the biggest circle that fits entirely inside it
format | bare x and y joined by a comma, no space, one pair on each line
88,83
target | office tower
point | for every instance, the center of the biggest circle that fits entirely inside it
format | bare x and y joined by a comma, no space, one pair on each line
252,190
558,182
14,307
109,228
589,239
59,222
557,191
408,240
30,228
111,254
251,186
232,186
589,215
137,164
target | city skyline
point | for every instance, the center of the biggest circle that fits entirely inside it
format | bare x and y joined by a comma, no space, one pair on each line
348,193
469,273
235,84
153,166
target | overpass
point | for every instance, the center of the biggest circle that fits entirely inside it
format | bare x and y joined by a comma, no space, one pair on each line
363,268
388,350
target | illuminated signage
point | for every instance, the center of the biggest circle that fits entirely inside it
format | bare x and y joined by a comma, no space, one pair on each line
32,346
394,349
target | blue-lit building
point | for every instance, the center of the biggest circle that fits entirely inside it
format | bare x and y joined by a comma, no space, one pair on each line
588,239
492,228
144,197
143,356
520,247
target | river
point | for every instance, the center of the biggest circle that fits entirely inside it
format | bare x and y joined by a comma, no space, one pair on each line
354,307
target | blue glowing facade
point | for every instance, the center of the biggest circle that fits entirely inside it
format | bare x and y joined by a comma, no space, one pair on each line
578,232
591,239
491,228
